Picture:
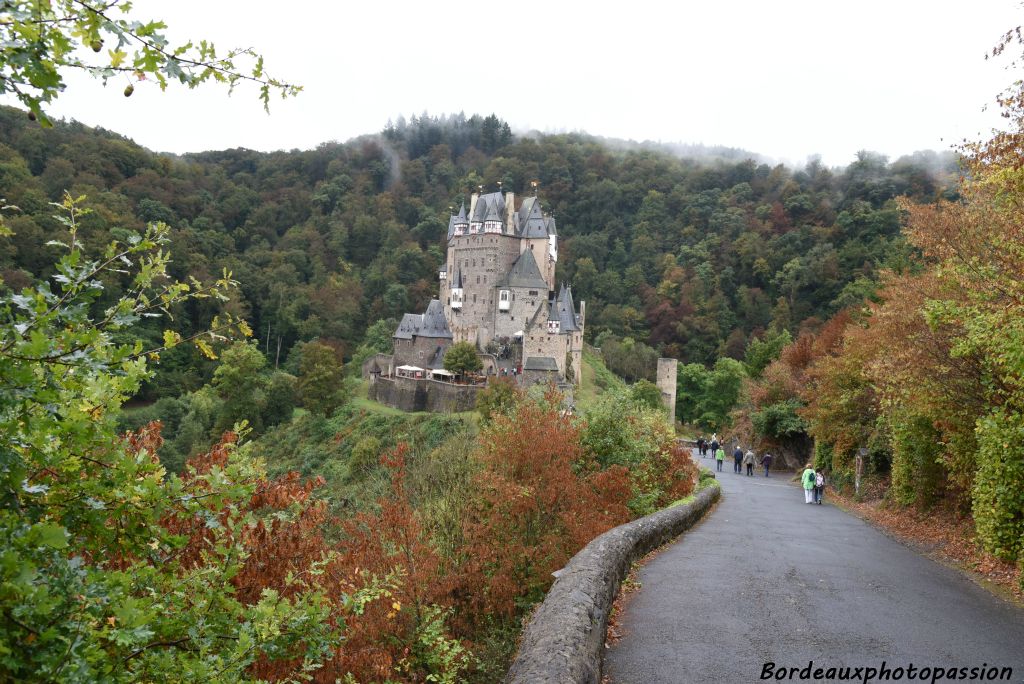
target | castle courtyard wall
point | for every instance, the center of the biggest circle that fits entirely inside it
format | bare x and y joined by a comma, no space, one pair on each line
408,394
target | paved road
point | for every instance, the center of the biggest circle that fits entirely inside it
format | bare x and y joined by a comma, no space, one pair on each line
768,578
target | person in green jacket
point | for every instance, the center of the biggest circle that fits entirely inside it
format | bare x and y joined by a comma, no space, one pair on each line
807,479
720,458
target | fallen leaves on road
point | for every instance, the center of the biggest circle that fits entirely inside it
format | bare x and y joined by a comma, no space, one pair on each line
942,533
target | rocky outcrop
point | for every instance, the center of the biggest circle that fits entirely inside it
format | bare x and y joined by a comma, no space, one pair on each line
564,641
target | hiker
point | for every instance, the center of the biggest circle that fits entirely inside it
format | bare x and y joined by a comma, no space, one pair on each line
737,460
766,461
700,446
719,457
807,479
819,486
748,460
714,446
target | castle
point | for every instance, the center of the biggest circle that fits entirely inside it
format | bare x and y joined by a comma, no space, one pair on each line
498,292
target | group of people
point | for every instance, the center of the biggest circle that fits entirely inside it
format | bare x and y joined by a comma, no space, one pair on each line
813,483
740,458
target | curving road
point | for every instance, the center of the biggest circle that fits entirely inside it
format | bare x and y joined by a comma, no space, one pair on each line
768,578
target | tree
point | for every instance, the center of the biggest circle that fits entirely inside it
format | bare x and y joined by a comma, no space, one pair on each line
90,555
321,379
646,393
241,385
461,358
499,398
44,39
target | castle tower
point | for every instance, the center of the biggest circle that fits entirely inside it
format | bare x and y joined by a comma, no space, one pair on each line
667,384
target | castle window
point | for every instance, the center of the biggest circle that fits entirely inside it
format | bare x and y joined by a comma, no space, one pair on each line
478,280
533,293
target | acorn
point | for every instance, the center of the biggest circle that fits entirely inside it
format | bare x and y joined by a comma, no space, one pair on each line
96,45
129,90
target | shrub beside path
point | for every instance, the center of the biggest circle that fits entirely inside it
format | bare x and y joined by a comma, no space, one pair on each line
767,578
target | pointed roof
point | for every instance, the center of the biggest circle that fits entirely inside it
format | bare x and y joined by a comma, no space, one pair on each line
492,214
524,273
432,323
566,310
532,221
457,219
492,201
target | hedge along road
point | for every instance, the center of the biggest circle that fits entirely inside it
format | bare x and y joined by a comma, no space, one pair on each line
766,578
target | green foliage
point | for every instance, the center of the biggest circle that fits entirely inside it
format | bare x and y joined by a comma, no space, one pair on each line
94,583
917,475
628,358
762,351
620,432
461,358
47,38
998,497
321,379
377,340
498,398
779,421
707,397
645,393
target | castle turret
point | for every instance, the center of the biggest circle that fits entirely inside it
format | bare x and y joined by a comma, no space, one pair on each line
458,225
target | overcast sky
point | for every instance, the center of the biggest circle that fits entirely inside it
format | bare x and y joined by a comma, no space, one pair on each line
785,79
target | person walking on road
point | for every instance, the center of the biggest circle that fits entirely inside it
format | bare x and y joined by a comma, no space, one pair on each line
714,445
700,446
766,461
807,479
819,487
748,460
719,458
737,460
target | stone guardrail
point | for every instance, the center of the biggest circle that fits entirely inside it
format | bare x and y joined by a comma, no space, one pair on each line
564,642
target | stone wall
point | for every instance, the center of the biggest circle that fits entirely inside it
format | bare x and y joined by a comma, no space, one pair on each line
564,642
385,362
667,384
407,394
523,307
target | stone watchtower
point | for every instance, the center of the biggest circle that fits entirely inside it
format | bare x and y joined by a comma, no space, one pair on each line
667,384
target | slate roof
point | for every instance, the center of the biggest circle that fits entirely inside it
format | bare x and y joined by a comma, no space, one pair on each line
563,310
457,219
532,223
540,363
485,203
524,273
567,311
431,323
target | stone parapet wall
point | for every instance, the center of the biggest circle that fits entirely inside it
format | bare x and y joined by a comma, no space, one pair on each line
564,642
408,394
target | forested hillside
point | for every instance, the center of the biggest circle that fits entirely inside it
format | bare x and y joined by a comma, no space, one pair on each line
689,257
